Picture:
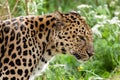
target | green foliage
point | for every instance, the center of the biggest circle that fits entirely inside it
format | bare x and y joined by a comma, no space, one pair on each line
64,71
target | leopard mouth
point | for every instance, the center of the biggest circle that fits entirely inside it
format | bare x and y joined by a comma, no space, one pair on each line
82,57
77,55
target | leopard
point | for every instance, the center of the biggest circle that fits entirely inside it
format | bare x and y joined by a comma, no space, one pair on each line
30,42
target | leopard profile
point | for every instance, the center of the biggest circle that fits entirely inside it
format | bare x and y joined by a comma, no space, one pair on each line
29,42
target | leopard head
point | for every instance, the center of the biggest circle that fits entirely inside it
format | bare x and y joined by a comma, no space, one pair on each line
73,35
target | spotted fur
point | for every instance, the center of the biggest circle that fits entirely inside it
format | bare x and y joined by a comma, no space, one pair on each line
31,41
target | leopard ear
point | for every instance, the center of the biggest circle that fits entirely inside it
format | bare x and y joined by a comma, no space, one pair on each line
59,24
58,14
75,13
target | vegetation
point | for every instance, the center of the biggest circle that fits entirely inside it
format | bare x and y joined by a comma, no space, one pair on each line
104,19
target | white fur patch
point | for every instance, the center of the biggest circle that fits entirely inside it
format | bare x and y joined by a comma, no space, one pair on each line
40,69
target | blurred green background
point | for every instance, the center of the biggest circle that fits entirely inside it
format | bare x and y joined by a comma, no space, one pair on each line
103,16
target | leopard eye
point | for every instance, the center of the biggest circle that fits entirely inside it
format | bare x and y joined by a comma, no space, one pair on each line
82,38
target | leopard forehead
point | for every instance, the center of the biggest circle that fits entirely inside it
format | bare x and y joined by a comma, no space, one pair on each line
73,22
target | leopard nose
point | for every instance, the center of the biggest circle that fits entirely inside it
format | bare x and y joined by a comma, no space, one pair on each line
90,50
